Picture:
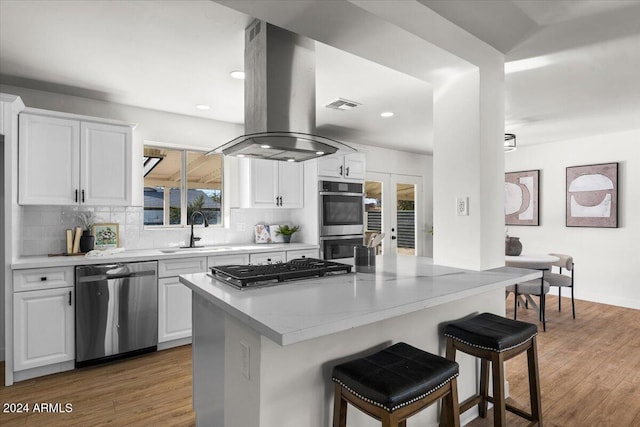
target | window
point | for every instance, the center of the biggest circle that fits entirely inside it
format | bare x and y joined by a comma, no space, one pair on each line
180,182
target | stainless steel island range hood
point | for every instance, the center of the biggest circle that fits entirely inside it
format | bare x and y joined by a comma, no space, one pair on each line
279,99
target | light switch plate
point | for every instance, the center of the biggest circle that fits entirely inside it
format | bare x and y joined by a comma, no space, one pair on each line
462,206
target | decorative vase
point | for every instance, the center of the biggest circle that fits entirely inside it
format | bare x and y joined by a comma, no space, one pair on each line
286,238
86,241
512,246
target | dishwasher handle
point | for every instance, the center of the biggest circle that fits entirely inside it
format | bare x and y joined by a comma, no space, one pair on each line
99,277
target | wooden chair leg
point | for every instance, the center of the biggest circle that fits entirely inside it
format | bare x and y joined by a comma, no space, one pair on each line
389,419
499,407
534,382
402,423
451,402
339,408
483,406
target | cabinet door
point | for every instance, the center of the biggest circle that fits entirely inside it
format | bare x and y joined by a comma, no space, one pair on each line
267,258
43,328
105,168
48,157
290,184
331,167
264,183
354,166
174,310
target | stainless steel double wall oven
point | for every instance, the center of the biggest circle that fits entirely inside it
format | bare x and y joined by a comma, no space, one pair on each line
341,216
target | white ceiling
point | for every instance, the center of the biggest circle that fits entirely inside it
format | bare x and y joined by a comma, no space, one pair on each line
171,55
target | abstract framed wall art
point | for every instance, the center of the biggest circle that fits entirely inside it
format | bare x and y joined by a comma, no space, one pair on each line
592,196
521,191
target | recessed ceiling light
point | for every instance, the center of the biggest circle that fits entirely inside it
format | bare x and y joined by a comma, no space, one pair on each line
291,160
237,74
265,146
387,114
319,153
240,155
203,107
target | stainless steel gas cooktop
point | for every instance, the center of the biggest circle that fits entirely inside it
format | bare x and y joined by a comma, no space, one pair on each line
250,276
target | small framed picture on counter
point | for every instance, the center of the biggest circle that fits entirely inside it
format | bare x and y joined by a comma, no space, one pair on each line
107,235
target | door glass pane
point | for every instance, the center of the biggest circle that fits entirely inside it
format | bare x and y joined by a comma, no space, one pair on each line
162,177
406,222
204,187
373,209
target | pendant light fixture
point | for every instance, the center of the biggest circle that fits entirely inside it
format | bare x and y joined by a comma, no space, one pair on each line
509,142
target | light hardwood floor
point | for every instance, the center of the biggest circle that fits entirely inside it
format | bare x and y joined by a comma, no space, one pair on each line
590,376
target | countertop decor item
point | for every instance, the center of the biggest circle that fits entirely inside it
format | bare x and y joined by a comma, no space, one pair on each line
107,235
287,232
512,246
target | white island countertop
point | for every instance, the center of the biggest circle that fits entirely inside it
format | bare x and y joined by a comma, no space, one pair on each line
305,309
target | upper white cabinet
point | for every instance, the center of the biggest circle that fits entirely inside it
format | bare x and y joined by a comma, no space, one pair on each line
349,166
67,160
271,183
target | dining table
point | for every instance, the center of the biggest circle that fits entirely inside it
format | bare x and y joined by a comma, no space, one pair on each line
542,262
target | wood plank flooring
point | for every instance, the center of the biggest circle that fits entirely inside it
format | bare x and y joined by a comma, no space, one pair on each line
590,376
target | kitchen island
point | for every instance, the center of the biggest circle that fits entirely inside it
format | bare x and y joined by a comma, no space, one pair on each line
263,357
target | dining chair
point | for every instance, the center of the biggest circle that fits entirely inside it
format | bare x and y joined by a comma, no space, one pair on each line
537,287
561,280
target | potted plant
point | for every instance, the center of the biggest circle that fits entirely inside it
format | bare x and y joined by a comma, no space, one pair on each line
287,232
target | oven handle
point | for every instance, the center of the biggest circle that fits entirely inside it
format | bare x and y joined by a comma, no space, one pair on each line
337,193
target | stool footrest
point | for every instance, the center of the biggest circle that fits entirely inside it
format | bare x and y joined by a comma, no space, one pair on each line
509,407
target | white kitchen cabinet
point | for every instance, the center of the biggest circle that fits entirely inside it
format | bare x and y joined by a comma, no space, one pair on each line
174,300
270,184
174,310
349,167
64,160
267,258
44,328
233,259
302,253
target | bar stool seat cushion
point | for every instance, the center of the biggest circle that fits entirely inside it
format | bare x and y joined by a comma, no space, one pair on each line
491,332
396,376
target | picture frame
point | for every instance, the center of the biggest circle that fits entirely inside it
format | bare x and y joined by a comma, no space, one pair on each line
522,198
107,235
592,196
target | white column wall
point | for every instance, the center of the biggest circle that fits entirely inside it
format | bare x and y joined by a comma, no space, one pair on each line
468,162
606,259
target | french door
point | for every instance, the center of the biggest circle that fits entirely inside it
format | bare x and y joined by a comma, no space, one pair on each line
393,205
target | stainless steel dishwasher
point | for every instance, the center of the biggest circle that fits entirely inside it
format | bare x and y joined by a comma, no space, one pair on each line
116,311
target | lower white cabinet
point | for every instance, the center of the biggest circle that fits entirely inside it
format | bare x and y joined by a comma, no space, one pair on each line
174,310
174,299
234,259
44,331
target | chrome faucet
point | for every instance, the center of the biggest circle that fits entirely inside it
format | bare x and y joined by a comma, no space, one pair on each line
193,239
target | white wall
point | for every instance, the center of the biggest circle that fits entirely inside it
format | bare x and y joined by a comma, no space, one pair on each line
606,259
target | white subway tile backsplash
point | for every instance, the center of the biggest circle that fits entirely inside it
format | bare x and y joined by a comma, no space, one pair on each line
43,227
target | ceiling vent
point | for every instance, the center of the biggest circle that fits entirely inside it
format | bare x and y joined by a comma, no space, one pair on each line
342,104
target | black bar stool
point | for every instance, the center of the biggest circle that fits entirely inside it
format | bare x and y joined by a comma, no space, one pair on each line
495,339
394,384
